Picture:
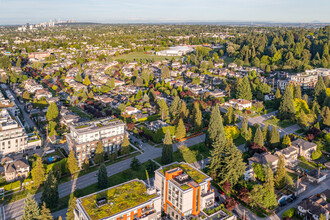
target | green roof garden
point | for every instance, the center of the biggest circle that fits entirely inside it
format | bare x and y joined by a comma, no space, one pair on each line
120,198
195,174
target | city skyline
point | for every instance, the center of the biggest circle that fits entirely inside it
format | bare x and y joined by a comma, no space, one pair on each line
146,11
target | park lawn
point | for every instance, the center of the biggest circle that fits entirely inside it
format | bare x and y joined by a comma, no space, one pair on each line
116,179
279,123
201,150
141,55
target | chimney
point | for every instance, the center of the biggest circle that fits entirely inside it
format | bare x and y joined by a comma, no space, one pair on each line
318,173
298,183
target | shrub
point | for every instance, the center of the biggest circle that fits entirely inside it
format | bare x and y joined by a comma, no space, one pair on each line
316,154
289,213
12,186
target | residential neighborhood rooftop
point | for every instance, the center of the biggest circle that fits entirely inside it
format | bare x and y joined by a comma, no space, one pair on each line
118,199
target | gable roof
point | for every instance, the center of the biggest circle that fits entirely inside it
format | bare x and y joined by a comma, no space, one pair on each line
16,165
304,144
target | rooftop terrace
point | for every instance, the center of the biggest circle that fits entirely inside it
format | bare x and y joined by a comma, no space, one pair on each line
118,199
88,125
193,173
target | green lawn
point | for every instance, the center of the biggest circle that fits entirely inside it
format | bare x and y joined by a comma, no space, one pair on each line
141,55
277,122
201,151
306,166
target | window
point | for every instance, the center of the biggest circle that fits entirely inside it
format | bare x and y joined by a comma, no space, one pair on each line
197,200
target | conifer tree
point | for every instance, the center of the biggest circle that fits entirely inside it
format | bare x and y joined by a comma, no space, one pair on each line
215,128
102,177
125,146
230,116
165,73
180,131
184,112
216,158
244,89
280,172
72,163
71,208
305,98
278,97
258,137
31,209
78,78
198,124
270,196
38,172
86,164
265,132
86,81
325,115
174,108
287,109
50,194
167,151
168,138
319,90
274,137
297,92
286,142
232,166
99,153
303,119
45,213
163,109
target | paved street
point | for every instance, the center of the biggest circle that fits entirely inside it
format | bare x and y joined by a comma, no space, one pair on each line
14,210
311,190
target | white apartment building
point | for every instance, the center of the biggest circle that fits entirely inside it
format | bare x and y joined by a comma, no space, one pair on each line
13,138
83,137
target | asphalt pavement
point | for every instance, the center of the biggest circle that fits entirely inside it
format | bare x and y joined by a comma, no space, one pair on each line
14,210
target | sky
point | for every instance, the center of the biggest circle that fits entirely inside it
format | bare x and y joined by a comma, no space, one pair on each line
138,11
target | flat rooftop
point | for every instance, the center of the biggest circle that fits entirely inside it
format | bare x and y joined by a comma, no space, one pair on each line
193,173
89,125
119,198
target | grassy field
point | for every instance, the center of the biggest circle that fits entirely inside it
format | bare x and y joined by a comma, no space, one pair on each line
200,150
141,55
277,122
